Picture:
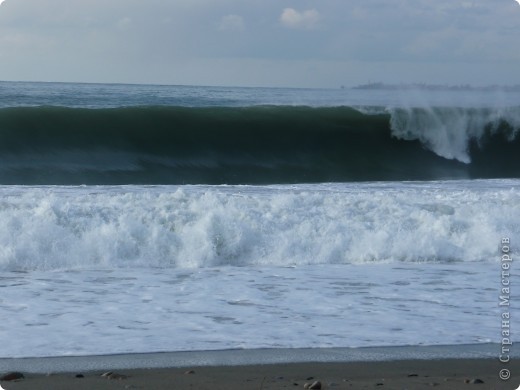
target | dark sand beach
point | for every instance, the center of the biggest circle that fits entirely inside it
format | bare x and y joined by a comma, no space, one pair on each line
415,374
443,367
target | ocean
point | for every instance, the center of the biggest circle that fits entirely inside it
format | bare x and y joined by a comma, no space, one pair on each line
142,218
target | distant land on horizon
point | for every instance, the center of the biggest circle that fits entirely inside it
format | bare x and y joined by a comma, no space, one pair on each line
437,87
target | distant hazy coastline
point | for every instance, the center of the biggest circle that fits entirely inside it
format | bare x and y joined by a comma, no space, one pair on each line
436,87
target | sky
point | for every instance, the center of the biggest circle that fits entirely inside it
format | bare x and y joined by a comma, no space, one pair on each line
272,43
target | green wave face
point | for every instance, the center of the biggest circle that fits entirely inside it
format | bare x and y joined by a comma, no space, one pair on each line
253,145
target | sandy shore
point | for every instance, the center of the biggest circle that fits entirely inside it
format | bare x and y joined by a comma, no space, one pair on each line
404,374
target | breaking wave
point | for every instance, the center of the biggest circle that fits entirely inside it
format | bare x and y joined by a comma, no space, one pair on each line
255,145
99,227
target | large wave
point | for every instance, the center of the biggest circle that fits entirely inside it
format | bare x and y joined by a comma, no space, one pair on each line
255,145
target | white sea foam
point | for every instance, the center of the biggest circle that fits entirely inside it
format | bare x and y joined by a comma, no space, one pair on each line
50,313
143,269
449,131
202,226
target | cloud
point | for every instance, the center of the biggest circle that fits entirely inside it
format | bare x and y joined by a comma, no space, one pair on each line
302,20
232,23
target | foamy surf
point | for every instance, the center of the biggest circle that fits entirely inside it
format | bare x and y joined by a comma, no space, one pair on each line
64,228
138,310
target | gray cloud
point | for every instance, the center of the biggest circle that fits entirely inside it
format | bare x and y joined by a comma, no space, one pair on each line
296,43
307,19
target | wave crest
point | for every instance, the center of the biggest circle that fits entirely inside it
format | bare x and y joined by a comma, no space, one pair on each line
449,131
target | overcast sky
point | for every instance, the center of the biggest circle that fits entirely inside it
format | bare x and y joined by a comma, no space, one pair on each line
295,43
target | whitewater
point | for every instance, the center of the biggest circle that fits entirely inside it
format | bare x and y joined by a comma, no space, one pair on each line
74,228
94,259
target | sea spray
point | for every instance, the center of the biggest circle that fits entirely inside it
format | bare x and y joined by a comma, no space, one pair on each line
449,131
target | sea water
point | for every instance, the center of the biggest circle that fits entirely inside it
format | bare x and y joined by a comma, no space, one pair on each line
104,250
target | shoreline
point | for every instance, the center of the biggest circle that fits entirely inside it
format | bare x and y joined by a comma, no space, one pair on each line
247,357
